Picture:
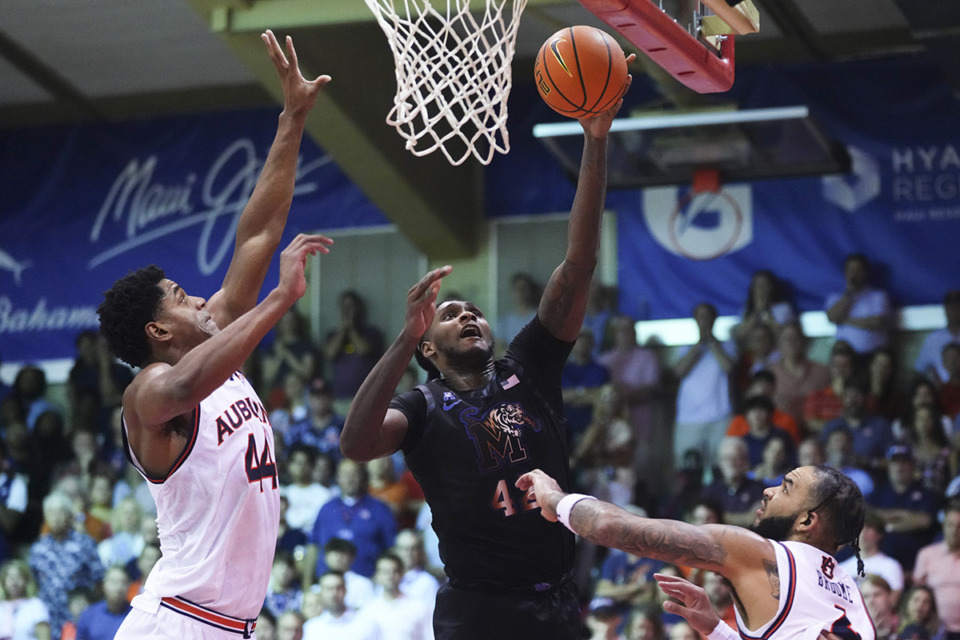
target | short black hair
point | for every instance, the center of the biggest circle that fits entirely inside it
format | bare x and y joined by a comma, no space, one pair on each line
857,257
286,557
712,504
758,402
305,449
127,307
341,545
392,557
765,375
708,306
875,522
358,300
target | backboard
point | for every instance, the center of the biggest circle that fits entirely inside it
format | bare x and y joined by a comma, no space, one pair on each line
668,148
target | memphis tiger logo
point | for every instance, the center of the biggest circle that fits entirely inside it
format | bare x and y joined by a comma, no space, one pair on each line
498,435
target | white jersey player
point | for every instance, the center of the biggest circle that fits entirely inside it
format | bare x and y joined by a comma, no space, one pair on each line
785,579
218,511
192,425
816,596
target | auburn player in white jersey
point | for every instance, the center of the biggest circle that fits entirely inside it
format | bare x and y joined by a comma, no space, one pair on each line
785,579
192,424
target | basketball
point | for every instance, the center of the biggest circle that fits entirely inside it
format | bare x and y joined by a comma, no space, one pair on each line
580,71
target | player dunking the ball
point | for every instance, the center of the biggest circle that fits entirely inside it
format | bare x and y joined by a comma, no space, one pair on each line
479,423
192,424
786,581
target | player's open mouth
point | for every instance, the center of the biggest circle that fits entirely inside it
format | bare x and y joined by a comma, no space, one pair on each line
471,331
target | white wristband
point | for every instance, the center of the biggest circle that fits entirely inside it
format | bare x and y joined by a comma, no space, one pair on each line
723,632
565,506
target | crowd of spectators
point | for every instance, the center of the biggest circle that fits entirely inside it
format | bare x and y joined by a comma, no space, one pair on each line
695,436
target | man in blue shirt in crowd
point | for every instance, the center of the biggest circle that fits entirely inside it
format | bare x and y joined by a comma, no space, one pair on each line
907,509
356,516
871,433
101,620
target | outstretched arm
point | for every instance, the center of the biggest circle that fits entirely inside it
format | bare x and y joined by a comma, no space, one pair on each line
261,224
564,300
372,430
746,559
724,549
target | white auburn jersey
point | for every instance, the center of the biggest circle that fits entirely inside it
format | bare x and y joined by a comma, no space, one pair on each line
815,595
218,508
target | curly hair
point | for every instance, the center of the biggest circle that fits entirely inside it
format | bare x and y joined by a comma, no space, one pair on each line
127,307
843,507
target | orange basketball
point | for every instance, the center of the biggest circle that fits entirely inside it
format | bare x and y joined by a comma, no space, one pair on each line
580,71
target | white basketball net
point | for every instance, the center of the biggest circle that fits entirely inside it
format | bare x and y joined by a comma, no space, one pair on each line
453,75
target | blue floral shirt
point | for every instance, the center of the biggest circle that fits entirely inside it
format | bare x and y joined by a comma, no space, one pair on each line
60,566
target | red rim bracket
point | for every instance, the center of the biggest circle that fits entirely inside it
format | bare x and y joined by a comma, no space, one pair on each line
668,44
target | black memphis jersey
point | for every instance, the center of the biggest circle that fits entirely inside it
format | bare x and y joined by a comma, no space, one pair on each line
468,449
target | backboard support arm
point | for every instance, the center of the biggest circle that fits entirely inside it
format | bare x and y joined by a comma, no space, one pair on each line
682,54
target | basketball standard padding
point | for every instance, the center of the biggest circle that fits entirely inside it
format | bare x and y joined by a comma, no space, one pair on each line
580,71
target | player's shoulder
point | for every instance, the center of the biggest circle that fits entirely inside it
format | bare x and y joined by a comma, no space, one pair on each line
146,377
741,544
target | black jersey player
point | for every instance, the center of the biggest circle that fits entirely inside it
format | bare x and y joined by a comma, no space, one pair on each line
480,423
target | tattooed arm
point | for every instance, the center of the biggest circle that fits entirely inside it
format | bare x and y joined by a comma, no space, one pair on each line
564,299
741,556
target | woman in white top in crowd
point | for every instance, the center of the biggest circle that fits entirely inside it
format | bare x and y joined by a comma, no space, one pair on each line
23,616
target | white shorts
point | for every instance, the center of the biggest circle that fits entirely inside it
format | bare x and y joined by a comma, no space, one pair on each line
149,621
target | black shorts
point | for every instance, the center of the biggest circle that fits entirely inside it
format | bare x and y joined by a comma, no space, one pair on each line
474,614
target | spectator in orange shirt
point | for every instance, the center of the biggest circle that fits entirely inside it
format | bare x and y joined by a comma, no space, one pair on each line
764,383
797,375
759,413
826,404
145,561
396,493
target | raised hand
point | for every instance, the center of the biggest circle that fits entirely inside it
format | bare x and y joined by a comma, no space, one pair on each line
691,602
422,302
299,94
599,125
293,261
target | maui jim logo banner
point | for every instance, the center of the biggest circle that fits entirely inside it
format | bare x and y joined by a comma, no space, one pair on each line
148,209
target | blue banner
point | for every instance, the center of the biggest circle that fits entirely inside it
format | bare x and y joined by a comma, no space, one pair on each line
81,206
900,205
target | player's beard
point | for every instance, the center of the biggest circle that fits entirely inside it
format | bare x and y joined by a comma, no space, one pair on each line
474,359
775,527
